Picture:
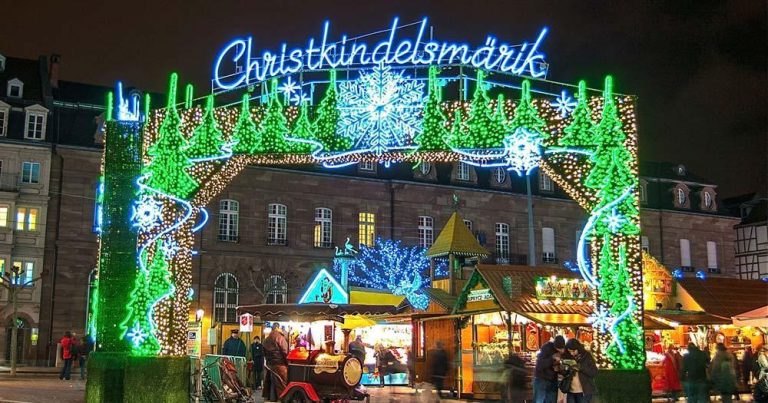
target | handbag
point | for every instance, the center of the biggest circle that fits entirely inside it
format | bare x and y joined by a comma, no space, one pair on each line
565,384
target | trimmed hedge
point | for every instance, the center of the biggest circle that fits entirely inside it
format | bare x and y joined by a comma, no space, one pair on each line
623,386
118,377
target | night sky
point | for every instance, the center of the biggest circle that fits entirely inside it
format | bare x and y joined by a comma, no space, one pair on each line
697,67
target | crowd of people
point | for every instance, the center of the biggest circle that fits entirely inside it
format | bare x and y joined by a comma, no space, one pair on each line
74,350
696,373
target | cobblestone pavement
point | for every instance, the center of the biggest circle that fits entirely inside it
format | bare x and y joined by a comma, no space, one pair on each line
40,388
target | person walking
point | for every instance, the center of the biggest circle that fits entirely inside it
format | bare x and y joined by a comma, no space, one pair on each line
545,377
83,352
257,356
723,373
234,346
439,368
66,354
276,356
694,374
582,386
761,383
747,365
672,366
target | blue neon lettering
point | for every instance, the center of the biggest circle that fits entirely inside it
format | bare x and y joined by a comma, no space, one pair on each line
492,55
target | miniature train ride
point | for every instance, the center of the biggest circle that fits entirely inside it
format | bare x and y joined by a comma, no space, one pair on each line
319,376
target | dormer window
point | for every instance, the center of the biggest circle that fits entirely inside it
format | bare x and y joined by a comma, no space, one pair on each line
499,175
35,122
367,166
707,200
681,197
462,172
2,63
680,170
425,168
15,88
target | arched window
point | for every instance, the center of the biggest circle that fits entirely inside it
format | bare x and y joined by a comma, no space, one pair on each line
707,200
276,290
500,175
323,227
681,197
229,211
425,167
226,292
278,224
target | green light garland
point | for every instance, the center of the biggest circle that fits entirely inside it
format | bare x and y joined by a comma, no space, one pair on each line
434,127
274,126
328,119
245,133
207,138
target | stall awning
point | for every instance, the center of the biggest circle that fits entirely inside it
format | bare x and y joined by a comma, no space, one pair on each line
367,296
726,297
688,318
757,317
557,319
312,312
651,324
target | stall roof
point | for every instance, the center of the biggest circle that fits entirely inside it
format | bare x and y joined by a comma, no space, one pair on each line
370,296
456,238
652,324
311,312
690,318
526,301
441,297
558,319
726,297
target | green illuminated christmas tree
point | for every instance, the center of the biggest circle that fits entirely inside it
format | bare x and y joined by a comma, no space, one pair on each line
580,133
434,130
456,136
526,116
302,129
245,133
615,290
168,169
274,126
479,121
500,126
150,286
207,138
328,119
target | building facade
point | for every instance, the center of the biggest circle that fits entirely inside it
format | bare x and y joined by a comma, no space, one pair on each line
752,240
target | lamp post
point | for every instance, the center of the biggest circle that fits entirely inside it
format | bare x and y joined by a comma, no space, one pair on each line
13,283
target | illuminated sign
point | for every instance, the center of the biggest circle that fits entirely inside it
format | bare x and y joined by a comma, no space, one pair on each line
324,289
324,53
479,295
562,288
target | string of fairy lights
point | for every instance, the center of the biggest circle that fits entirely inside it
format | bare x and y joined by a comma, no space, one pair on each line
588,146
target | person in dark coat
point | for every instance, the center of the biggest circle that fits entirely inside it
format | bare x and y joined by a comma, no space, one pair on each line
357,349
440,367
723,373
583,383
257,356
545,377
694,374
747,365
276,356
234,346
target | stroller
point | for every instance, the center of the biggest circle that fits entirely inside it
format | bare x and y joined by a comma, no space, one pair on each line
232,388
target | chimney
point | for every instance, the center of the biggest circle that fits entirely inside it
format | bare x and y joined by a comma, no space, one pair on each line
54,71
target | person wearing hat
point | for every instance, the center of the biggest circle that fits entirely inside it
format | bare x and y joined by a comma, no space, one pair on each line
582,386
276,355
234,346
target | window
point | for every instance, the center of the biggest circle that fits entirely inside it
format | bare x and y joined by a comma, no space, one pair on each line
366,229
277,226
226,292
30,172
229,217
2,269
548,245
3,120
685,253
367,166
426,231
499,175
642,191
468,223
425,167
462,172
644,244
15,88
707,200
35,126
323,227
26,273
545,183
4,209
276,290
681,197
502,242
26,218
711,255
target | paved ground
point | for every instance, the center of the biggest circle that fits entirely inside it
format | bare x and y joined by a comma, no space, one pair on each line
39,388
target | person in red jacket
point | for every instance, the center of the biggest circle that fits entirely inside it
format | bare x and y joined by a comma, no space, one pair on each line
66,354
671,364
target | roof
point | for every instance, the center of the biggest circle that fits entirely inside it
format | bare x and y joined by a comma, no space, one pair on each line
651,324
669,171
559,319
526,301
441,297
726,297
689,318
757,214
312,312
455,238
369,296
31,73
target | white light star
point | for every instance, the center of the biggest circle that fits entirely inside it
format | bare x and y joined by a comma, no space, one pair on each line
614,221
288,88
147,213
170,249
601,319
564,104
136,335
523,150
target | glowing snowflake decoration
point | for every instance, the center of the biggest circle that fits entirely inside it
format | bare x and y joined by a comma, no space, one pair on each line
601,318
381,110
299,98
288,88
170,249
147,213
564,104
137,335
614,221
523,151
